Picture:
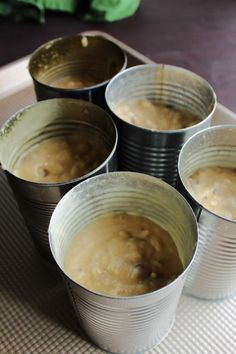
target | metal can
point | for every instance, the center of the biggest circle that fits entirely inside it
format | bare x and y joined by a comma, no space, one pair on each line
150,151
93,60
213,272
124,324
34,124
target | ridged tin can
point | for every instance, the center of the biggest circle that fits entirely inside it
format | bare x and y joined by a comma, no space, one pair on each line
79,56
151,151
124,324
213,272
34,124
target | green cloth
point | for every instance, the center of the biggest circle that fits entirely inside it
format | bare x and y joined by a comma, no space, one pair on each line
95,10
5,8
35,9
29,10
111,10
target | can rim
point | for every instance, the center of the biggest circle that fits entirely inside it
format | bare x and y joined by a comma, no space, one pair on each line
173,67
82,89
156,181
217,127
75,180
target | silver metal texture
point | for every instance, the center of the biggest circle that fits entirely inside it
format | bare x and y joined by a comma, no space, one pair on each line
213,272
94,57
124,324
50,118
151,151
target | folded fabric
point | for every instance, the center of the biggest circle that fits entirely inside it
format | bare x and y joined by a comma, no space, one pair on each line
111,10
95,10
35,9
5,8
29,10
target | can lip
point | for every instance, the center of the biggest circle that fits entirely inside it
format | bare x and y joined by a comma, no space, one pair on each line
75,180
174,67
139,175
201,132
82,89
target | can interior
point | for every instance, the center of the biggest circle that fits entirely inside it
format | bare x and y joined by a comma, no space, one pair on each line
165,84
85,57
52,118
214,146
123,192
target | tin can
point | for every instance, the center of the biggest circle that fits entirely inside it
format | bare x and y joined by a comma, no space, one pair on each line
34,124
90,60
124,324
213,272
151,151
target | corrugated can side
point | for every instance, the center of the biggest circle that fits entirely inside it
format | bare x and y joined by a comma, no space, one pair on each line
213,272
37,202
153,153
124,324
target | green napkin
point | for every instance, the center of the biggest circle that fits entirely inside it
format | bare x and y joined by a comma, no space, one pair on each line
29,10
111,10
95,10
35,9
5,8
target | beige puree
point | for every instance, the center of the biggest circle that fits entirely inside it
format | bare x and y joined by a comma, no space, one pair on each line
75,82
215,188
150,115
123,255
61,158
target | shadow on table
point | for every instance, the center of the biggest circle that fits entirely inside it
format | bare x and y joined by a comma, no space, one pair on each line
26,277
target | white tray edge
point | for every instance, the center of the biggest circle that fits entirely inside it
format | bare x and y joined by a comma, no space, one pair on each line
15,77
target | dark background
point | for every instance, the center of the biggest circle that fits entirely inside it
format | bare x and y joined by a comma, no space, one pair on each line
197,34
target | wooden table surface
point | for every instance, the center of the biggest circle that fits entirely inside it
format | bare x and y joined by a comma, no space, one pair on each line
199,35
